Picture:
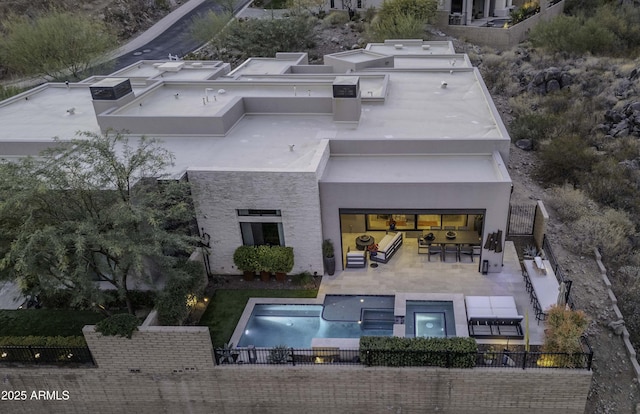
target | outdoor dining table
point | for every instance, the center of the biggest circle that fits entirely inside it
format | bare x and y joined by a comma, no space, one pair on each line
461,237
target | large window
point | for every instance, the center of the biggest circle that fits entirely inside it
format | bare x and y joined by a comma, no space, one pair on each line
360,222
257,233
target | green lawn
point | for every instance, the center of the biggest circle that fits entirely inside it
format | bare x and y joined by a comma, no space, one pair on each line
46,322
226,307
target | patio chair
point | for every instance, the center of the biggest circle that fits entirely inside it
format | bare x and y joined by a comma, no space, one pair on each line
463,228
451,249
436,228
466,250
449,227
435,249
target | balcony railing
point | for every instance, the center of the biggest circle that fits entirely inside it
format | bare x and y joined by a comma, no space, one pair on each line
406,358
45,355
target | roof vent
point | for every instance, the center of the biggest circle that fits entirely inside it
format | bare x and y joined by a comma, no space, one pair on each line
426,47
443,84
71,111
398,46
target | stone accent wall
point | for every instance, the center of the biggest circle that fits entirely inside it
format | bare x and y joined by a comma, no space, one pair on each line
219,194
308,389
153,349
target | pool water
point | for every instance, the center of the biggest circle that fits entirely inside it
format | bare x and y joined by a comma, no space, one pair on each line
343,316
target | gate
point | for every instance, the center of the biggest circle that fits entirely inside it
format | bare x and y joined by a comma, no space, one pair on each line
521,220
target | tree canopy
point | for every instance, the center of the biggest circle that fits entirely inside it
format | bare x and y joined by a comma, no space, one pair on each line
94,209
54,44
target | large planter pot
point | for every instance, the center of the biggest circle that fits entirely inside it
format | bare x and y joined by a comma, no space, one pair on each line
265,276
248,275
281,277
330,265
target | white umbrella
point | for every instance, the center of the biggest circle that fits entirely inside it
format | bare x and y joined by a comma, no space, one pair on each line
562,294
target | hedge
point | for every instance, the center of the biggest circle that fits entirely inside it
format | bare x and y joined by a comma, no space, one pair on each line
62,341
432,352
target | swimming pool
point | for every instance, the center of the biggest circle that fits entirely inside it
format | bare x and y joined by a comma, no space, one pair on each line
343,316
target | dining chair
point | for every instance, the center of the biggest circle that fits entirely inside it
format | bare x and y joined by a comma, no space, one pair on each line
436,228
451,249
449,227
463,228
435,249
466,250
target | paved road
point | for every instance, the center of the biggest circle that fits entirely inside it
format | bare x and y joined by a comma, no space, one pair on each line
173,40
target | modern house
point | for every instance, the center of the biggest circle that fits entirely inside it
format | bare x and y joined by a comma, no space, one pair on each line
397,145
284,153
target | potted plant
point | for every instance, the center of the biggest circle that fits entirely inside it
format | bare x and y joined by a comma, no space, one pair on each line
245,258
282,261
265,262
328,257
490,354
279,355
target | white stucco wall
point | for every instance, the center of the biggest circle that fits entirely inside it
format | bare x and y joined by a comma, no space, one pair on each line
219,194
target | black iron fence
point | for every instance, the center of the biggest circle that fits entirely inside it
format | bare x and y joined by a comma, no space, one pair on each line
551,257
405,358
45,355
521,219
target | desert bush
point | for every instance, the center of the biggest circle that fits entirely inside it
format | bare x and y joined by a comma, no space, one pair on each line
335,18
611,232
610,184
495,70
622,21
570,203
534,126
628,292
266,37
573,36
565,159
401,26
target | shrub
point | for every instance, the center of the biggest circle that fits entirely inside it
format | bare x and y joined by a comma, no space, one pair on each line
265,258
62,341
564,328
570,203
573,36
609,184
172,301
278,355
121,324
401,26
335,18
282,259
327,248
246,258
565,159
525,11
453,352
533,126
610,231
266,37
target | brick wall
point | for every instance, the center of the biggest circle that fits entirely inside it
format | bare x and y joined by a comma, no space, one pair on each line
153,349
308,389
219,194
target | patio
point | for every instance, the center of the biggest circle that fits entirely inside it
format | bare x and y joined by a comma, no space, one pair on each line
410,272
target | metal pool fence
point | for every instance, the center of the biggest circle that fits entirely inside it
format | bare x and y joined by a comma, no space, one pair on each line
405,358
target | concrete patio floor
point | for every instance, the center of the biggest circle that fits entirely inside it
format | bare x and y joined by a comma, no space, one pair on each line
410,272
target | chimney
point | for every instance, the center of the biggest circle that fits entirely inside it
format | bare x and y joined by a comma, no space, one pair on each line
347,104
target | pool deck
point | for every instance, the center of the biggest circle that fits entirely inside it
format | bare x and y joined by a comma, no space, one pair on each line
410,273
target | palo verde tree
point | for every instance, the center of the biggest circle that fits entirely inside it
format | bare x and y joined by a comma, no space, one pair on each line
55,44
95,208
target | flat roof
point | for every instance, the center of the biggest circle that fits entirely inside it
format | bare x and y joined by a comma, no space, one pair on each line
411,47
426,168
42,113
